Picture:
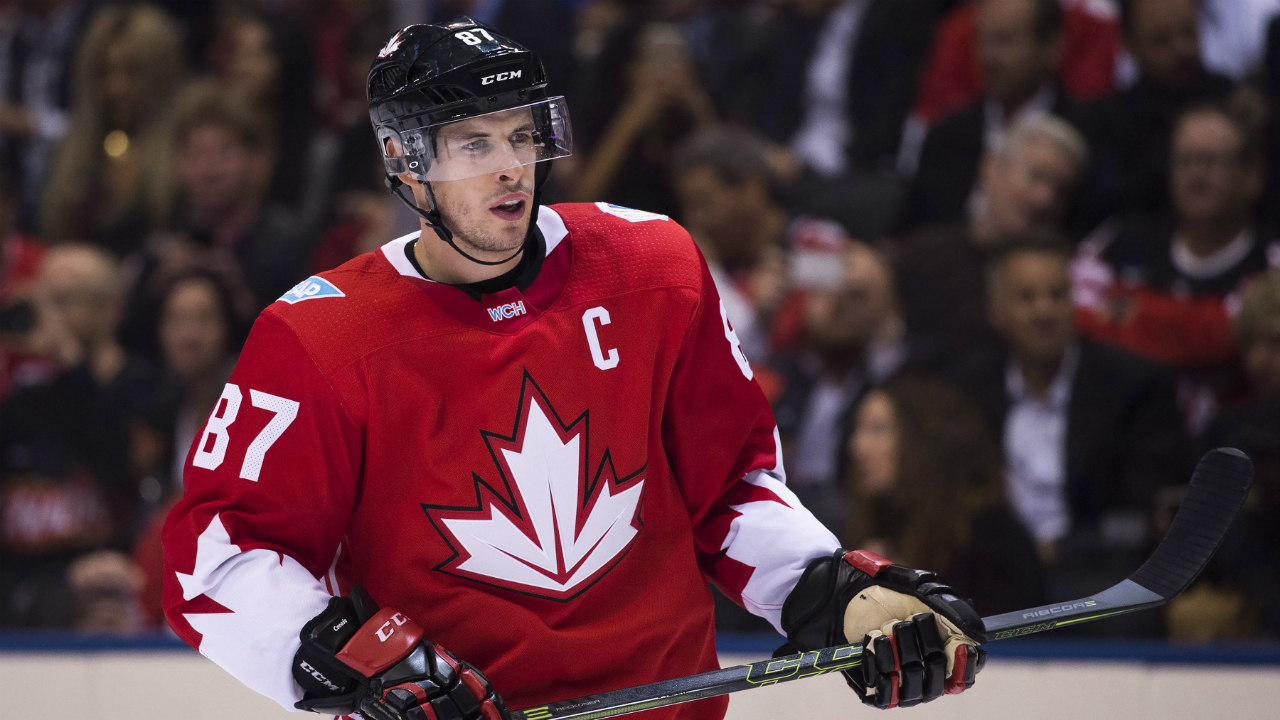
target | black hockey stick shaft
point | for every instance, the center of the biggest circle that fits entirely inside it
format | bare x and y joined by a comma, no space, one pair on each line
1217,491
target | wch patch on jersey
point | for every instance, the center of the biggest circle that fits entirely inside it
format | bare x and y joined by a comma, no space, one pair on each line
549,528
629,214
506,312
310,289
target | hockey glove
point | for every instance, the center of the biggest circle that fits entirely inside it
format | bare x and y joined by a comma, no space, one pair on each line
919,637
357,658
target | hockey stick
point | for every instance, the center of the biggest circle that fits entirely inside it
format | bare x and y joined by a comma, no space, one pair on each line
1217,491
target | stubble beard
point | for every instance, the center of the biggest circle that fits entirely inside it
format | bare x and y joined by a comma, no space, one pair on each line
474,230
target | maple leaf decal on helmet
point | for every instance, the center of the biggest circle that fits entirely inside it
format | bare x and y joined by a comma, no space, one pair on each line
392,45
552,531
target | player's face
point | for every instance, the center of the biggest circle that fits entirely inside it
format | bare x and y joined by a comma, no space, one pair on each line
874,445
489,212
1031,306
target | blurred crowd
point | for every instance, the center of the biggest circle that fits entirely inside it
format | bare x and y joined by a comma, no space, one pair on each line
1005,268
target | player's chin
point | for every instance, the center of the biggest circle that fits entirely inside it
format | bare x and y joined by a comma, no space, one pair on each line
509,229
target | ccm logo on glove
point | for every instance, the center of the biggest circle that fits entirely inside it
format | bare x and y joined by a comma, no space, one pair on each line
385,632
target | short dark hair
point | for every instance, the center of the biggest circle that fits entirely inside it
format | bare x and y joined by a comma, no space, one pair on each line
733,155
1048,19
1042,240
1251,142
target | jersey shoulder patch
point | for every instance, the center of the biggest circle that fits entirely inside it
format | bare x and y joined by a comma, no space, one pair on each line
359,306
629,214
313,288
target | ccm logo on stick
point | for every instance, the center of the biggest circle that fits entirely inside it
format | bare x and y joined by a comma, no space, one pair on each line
500,77
506,312
385,632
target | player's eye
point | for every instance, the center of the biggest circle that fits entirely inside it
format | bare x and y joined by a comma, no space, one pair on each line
478,146
521,140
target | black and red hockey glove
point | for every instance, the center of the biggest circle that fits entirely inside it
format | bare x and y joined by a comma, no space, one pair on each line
357,658
920,638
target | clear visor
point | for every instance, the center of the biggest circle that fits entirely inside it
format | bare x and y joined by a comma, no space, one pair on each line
480,145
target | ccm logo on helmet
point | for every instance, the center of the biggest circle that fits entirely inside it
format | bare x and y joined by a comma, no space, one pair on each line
500,77
506,312
385,632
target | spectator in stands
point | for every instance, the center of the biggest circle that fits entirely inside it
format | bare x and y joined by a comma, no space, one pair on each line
64,446
1163,286
37,65
858,61
729,204
643,98
1027,179
1089,433
1240,590
926,487
1019,47
222,163
952,76
263,62
1130,130
110,182
853,337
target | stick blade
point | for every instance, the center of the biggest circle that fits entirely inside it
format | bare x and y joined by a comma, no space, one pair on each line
1217,491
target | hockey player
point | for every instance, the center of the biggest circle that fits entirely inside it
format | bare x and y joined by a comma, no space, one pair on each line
528,433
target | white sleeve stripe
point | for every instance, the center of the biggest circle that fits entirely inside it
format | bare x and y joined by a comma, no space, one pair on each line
270,596
777,540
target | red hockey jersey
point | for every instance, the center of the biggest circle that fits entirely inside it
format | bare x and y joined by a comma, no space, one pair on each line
544,480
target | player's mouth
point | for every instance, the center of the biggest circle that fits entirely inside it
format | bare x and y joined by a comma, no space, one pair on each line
510,207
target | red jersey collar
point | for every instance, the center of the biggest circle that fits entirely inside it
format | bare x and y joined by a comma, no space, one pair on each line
504,312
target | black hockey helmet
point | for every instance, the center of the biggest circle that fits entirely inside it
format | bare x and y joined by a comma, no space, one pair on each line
431,77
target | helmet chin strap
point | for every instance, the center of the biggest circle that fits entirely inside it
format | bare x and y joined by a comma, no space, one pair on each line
432,217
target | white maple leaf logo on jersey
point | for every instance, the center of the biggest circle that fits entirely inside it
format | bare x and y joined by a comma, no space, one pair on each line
555,530
392,45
